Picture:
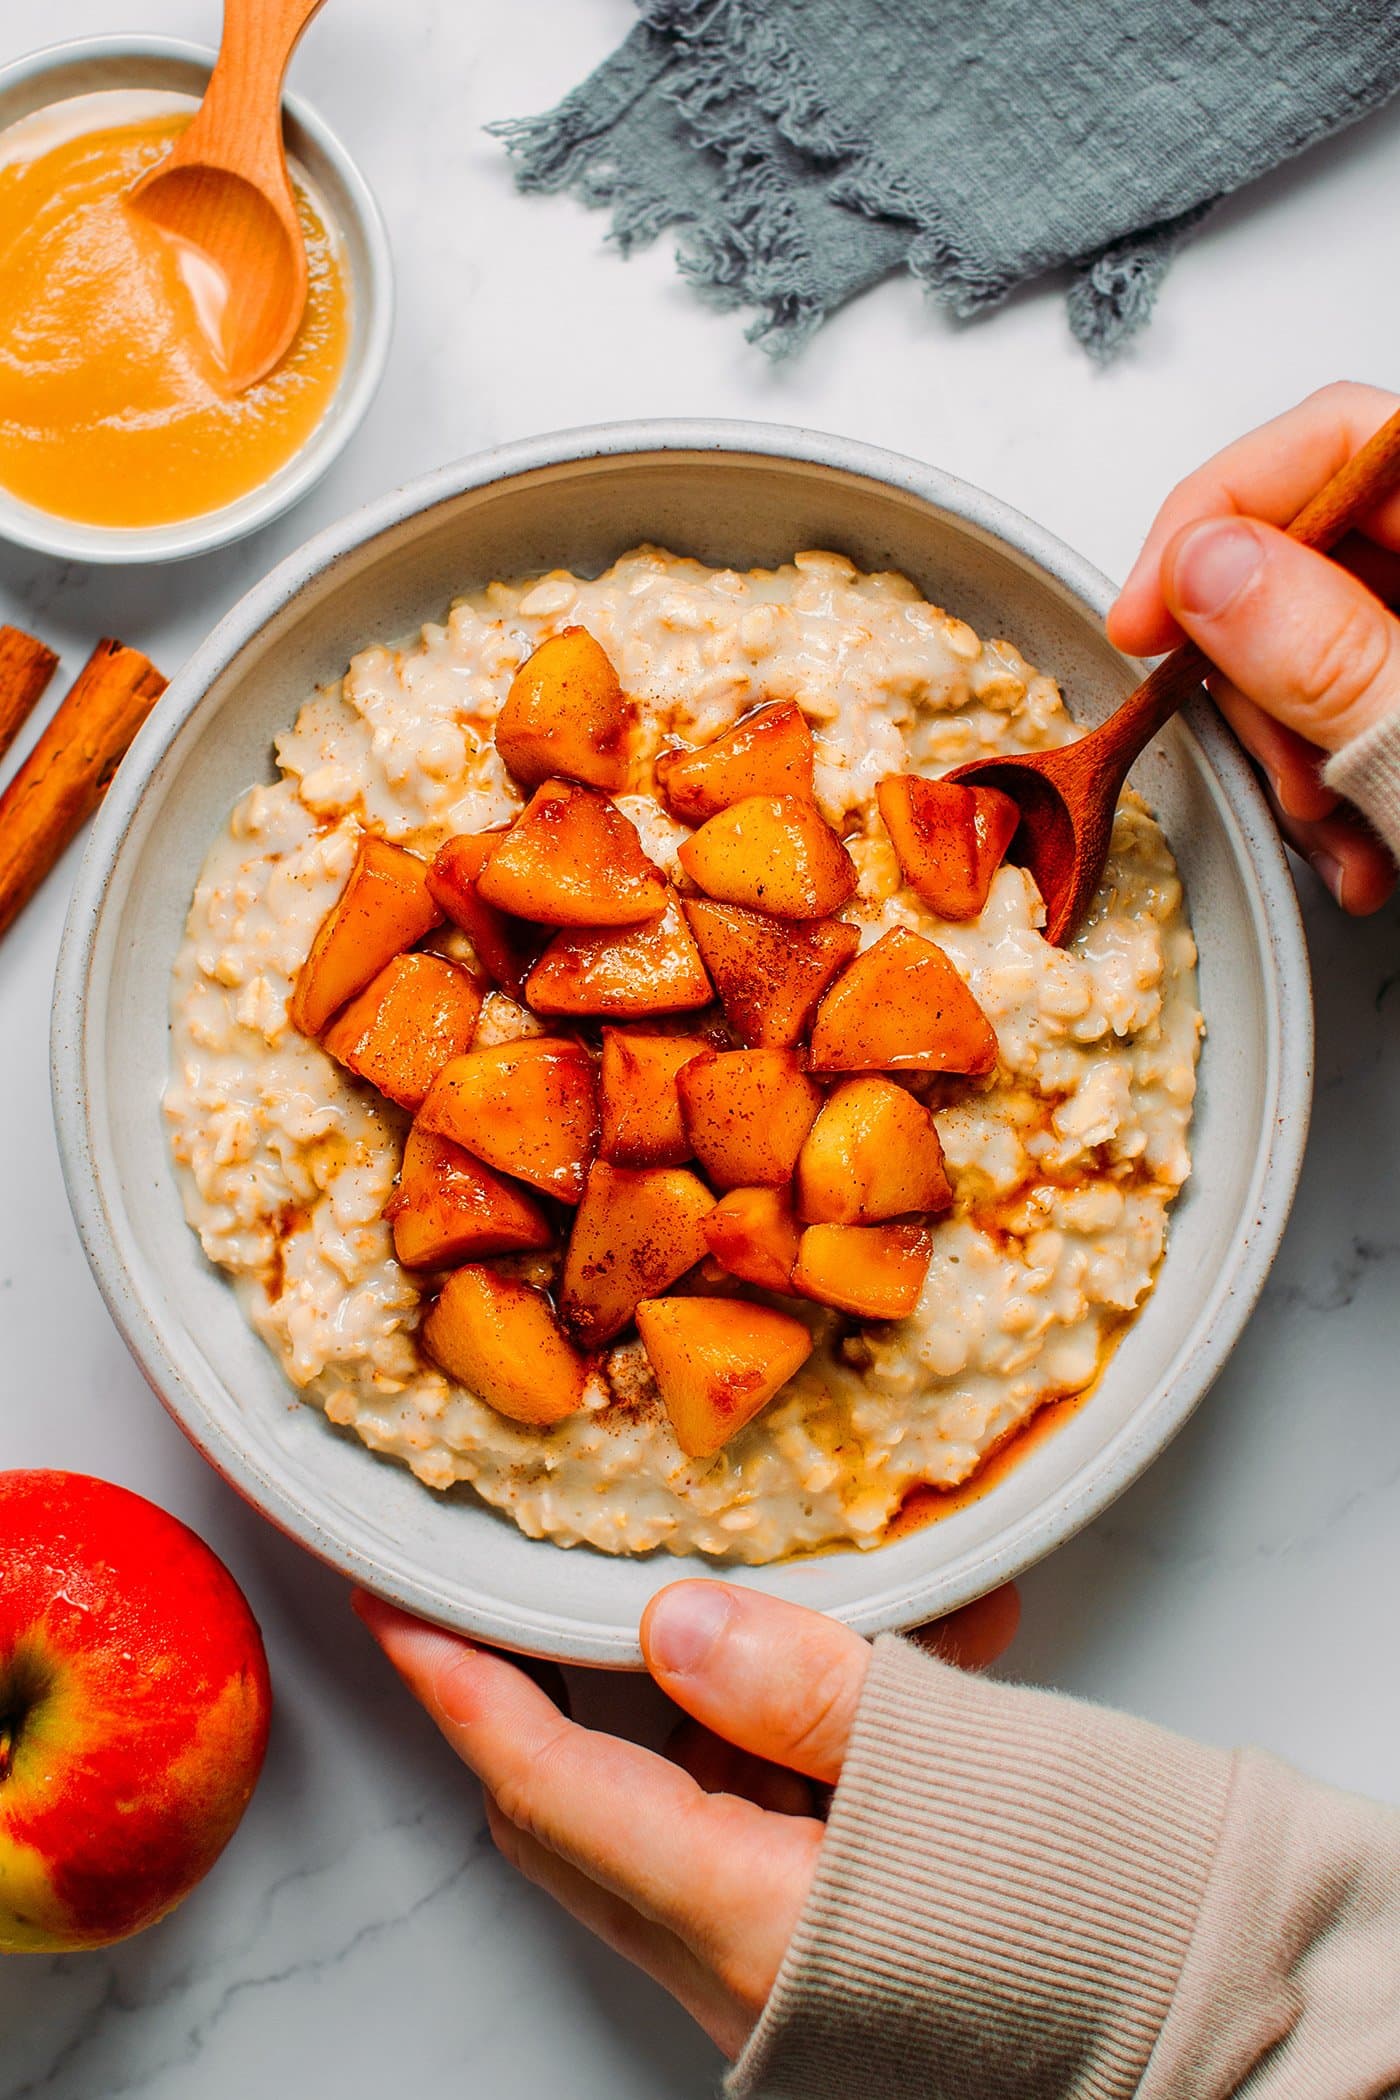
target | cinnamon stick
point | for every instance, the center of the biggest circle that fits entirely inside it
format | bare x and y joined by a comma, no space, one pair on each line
26,666
70,769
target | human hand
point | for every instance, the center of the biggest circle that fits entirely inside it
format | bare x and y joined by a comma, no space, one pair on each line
695,1864
1308,654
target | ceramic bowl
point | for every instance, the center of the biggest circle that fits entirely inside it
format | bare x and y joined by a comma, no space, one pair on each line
100,64
727,493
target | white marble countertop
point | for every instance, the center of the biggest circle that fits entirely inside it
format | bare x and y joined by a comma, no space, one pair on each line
360,1937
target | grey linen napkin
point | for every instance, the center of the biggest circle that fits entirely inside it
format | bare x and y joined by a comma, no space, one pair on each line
807,148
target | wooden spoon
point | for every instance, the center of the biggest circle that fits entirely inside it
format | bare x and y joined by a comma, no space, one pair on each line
224,195
1067,797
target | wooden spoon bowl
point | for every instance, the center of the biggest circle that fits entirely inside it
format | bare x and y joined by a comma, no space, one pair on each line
225,197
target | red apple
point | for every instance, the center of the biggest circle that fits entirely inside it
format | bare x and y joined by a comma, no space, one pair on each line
134,1706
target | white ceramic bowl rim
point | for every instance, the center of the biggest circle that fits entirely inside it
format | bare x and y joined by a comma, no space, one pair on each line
359,222
1275,922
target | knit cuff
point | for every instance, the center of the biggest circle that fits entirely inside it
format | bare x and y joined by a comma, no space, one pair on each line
1002,1904
1367,772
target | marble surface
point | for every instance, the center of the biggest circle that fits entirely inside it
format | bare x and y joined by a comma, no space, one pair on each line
360,1936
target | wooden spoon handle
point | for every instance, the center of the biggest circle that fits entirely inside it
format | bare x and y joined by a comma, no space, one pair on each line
239,123
1353,490
1338,505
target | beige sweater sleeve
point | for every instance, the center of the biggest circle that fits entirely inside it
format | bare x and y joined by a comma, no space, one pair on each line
1021,1897
1367,772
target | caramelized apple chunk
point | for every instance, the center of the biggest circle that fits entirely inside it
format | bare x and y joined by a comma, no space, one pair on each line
449,1208
949,839
768,752
640,1107
650,969
747,1113
499,1339
773,853
902,1006
768,972
398,1034
571,858
872,1153
634,1234
506,949
753,1235
717,1362
527,1108
384,908
874,1271
565,716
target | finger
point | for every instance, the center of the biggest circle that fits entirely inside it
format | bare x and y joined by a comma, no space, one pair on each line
661,1954
1344,852
1270,473
713,1868
720,1768
1346,855
1296,634
1292,766
976,1635
768,1676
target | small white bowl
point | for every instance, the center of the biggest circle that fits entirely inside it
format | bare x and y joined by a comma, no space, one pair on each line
728,493
98,64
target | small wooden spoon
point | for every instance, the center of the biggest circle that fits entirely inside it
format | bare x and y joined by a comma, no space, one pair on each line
224,194
1067,797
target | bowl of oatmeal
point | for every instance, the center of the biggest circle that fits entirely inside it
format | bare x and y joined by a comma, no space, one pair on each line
620,1115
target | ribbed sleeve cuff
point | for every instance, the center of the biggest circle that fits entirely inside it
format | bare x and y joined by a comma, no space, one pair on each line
1002,1904
1367,772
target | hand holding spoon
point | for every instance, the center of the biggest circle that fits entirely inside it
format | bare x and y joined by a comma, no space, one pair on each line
1067,797
224,194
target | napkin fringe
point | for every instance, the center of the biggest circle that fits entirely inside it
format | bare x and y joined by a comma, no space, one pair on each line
570,148
752,251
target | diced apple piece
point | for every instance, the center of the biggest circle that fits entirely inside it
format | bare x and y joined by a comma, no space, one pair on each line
408,1021
747,1113
773,853
717,1361
384,908
902,1006
499,1339
769,972
873,1271
449,1208
572,859
752,1233
641,1109
506,949
949,839
769,752
649,969
565,716
872,1153
634,1234
528,1108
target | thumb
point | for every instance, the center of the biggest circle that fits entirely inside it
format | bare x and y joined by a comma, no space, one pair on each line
1296,633
770,1677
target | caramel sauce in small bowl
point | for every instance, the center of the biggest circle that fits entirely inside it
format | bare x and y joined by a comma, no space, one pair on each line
113,406
119,439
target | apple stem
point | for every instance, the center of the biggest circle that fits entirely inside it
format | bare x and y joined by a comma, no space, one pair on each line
7,1748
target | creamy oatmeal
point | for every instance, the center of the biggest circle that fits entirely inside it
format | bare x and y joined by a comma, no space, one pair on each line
1063,1161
